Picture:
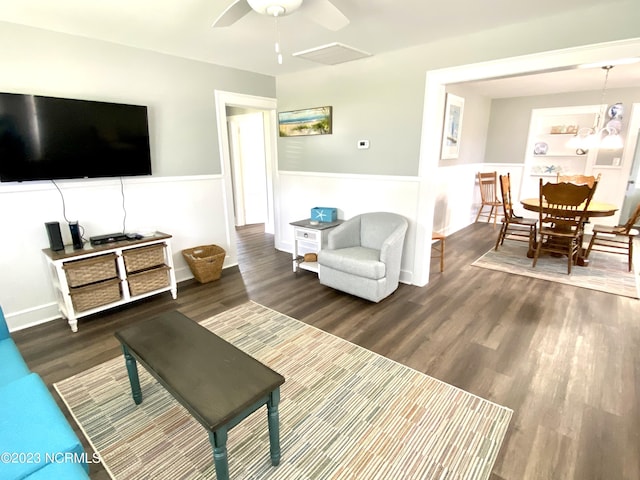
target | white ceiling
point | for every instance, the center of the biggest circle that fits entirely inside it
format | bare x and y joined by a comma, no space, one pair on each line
183,28
575,80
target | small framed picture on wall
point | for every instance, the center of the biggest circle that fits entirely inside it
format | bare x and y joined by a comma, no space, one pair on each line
452,128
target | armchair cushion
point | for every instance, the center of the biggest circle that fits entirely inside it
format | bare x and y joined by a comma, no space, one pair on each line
360,261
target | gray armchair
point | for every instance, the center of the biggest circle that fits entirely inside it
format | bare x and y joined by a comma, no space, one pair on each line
363,255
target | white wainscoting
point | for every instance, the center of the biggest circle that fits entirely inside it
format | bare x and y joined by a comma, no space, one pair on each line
458,195
457,201
191,209
351,195
194,211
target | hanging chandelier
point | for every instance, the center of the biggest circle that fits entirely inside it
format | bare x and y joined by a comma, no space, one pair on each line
602,135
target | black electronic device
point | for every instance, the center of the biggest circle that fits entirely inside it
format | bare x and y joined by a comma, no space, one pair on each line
55,236
48,138
109,238
76,236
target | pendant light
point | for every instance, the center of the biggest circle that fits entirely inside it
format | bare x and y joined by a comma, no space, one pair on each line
607,136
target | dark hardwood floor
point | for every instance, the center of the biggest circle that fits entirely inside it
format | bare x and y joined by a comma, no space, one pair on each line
565,359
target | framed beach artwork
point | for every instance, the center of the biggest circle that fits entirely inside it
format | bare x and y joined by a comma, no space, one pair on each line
310,121
452,126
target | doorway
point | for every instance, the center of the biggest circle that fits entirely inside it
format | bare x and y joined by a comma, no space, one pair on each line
434,103
268,107
248,165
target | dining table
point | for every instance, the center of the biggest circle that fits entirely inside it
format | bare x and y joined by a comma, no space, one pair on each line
595,209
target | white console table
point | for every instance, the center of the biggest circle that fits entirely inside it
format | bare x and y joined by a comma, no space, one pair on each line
120,277
309,238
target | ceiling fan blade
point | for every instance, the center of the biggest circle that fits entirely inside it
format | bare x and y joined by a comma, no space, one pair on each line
232,14
325,13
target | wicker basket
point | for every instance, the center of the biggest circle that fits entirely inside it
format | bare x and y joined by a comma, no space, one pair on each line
95,295
143,258
205,262
149,280
91,270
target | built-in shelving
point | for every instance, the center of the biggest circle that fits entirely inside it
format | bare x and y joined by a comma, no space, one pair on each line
555,127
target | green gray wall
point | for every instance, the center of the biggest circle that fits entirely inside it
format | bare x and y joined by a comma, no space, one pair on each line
381,98
509,123
179,92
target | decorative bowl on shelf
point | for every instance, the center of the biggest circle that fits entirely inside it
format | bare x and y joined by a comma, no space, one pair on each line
540,148
615,111
559,129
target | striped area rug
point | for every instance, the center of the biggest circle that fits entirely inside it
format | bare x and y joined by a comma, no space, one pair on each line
607,272
345,413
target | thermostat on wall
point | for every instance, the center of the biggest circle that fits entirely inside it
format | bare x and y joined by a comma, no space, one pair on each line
363,143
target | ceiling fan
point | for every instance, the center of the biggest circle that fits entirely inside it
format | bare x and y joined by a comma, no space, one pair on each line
322,12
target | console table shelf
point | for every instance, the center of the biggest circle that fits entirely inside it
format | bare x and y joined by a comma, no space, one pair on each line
96,278
309,238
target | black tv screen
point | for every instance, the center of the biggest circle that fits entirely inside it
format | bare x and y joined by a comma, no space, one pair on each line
48,138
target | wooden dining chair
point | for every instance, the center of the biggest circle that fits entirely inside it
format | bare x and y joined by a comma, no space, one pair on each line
579,179
562,214
513,226
488,183
437,245
617,239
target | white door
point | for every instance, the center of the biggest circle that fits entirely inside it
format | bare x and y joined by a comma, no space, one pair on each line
247,149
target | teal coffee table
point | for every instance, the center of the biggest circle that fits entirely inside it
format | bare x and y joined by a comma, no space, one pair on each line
217,383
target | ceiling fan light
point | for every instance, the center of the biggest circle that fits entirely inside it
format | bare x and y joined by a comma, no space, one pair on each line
275,8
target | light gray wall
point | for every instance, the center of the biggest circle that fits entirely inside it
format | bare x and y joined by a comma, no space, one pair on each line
509,123
185,197
475,122
385,108
381,107
178,92
381,98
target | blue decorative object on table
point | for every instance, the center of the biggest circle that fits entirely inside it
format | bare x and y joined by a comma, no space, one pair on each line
324,214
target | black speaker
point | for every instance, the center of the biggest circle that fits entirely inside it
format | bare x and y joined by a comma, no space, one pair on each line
75,235
55,237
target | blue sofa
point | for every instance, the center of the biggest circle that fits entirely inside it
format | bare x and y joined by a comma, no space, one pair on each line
36,441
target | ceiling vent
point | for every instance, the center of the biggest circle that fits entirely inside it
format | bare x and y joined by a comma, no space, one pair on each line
332,54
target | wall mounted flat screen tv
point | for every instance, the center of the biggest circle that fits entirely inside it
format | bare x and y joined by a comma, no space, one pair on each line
48,138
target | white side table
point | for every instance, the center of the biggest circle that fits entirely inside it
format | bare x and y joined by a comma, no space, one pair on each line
309,238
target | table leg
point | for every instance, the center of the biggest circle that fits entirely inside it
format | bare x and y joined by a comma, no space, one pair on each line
274,426
132,370
218,440
582,261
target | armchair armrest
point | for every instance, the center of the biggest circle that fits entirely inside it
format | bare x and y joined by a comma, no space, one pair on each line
344,235
393,244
